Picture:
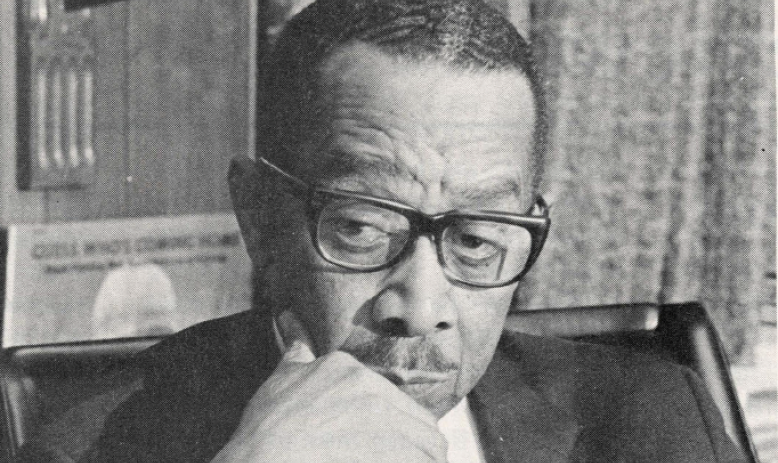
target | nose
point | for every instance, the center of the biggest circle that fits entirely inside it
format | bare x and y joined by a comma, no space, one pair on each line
415,299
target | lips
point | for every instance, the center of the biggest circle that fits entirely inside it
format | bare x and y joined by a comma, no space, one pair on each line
406,362
403,377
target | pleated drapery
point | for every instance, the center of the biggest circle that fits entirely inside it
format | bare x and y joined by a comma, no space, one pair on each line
661,169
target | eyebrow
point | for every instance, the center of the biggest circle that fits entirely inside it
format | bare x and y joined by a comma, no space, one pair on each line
500,188
340,164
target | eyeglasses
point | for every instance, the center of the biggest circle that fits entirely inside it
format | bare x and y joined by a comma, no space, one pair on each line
485,249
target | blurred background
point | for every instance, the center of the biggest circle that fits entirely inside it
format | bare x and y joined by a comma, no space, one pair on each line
661,170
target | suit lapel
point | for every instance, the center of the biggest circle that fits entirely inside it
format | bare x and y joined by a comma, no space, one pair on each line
522,414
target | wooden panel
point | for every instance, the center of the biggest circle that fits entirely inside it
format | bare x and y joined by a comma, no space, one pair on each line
188,103
171,108
106,196
15,206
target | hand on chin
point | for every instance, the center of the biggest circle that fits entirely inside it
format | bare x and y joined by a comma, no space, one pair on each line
332,409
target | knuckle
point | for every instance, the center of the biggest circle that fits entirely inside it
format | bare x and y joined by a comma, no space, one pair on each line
342,358
337,366
441,449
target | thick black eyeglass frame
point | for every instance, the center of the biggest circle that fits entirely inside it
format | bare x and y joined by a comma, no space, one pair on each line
420,224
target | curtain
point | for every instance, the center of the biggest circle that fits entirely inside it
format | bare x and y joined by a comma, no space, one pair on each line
661,170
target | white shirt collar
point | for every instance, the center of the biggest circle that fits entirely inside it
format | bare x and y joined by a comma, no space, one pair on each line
461,432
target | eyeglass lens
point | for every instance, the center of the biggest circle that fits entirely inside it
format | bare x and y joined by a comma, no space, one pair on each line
485,252
360,235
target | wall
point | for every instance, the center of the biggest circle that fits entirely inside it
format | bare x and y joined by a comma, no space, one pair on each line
171,108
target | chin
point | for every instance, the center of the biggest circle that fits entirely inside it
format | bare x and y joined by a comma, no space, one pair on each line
438,398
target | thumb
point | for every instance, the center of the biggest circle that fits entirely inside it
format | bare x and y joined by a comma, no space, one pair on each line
299,348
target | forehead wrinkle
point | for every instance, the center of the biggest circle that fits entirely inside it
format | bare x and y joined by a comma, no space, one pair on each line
361,172
338,164
486,193
386,124
413,127
367,148
359,137
351,86
472,149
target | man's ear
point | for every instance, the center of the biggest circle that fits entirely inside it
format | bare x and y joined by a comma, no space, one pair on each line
246,191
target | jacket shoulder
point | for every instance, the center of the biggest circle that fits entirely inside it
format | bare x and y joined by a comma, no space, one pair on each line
196,385
208,349
630,404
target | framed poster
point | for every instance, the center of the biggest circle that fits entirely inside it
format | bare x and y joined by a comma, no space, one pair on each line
122,278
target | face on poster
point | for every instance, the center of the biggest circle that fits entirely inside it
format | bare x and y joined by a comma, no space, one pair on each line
122,278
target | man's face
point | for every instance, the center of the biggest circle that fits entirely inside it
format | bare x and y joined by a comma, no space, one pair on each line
437,139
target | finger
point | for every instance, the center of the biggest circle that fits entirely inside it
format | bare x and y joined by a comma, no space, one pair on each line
366,382
299,347
401,425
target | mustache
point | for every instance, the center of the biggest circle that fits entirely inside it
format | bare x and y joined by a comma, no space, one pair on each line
401,353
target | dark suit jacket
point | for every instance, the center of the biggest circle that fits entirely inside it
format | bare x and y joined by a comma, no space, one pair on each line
540,400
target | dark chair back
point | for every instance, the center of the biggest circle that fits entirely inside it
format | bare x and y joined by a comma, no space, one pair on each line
681,333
